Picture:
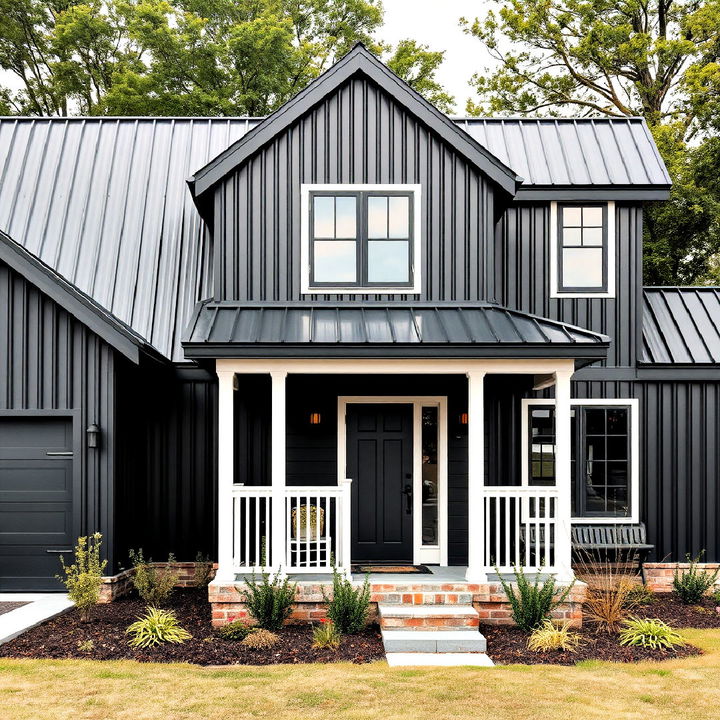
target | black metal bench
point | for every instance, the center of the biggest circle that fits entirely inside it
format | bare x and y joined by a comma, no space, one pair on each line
613,538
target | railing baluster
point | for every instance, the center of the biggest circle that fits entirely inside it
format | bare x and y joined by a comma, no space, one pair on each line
507,530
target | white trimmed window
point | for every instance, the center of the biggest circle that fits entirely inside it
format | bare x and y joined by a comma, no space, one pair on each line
582,242
604,456
361,238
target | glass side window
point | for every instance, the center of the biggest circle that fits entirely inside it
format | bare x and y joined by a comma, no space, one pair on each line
600,457
430,476
582,248
361,239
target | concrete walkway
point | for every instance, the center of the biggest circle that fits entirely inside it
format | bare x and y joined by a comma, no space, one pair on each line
40,607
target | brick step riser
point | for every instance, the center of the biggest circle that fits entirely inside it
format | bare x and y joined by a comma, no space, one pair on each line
423,598
429,623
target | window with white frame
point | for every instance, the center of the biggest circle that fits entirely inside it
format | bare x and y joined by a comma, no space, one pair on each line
583,246
360,238
604,455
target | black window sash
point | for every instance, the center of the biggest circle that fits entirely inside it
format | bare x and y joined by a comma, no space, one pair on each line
361,239
561,245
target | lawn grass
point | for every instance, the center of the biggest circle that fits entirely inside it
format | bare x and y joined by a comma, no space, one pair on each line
86,690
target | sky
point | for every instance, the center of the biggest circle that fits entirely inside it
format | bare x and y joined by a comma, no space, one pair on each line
435,23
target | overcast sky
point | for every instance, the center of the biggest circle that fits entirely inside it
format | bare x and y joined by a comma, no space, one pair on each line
435,23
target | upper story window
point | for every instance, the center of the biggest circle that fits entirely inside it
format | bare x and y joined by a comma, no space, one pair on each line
361,238
583,249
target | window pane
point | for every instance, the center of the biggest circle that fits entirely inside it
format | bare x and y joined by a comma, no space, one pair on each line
617,421
572,216
593,216
595,421
582,267
429,476
388,261
324,217
377,217
346,216
334,261
399,217
592,236
572,236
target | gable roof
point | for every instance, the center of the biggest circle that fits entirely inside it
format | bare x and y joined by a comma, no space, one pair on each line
681,326
358,61
75,302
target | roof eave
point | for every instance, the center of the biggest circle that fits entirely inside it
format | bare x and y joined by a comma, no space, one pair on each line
620,193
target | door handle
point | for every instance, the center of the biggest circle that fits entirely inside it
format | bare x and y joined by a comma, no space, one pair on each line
57,552
407,492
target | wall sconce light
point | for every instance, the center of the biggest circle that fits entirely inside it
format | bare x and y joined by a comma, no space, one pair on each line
315,418
463,418
93,435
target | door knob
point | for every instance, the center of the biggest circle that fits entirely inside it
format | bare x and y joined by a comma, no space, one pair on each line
407,492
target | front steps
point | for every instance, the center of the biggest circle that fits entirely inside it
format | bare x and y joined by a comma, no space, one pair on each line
442,633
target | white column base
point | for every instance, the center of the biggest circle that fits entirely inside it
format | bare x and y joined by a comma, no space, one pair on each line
476,575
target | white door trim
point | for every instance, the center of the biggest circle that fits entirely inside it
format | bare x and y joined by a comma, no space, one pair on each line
436,554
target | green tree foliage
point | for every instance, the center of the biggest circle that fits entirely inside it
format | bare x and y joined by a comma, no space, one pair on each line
655,58
186,57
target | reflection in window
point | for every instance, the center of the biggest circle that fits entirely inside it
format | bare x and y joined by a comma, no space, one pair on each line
430,476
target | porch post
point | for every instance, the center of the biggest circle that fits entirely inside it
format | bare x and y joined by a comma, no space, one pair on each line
563,476
226,441
279,561
476,478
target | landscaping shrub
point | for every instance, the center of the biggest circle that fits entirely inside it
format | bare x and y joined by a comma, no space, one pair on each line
692,584
350,605
236,630
649,633
153,584
83,578
326,635
639,594
156,627
260,639
269,601
203,571
552,637
85,645
533,602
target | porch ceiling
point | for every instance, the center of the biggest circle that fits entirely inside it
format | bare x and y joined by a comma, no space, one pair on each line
242,330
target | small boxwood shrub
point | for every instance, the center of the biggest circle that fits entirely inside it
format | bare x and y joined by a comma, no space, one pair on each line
155,628
236,630
692,584
261,639
269,601
350,605
649,633
153,584
83,578
552,637
533,602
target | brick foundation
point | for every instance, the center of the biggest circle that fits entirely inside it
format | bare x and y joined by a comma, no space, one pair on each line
488,599
660,575
116,586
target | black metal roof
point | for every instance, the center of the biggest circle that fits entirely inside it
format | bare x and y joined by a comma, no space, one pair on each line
232,329
681,326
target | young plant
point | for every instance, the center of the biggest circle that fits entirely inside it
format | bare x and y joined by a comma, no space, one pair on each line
692,584
638,595
552,637
203,571
261,639
236,631
269,601
350,605
83,578
533,602
326,635
156,627
649,633
85,645
153,584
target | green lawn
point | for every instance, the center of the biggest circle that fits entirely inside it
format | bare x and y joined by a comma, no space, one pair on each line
65,689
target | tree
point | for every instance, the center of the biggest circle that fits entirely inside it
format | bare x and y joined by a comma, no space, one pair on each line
655,58
186,57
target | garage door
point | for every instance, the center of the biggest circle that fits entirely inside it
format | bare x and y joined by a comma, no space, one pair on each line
36,471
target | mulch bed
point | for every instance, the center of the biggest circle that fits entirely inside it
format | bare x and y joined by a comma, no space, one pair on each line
6,607
508,644
59,638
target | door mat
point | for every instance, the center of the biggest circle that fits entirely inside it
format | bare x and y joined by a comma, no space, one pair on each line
396,569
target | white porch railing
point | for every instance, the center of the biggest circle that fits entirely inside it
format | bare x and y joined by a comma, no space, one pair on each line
317,529
520,525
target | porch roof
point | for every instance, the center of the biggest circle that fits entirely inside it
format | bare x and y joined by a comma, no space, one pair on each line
242,330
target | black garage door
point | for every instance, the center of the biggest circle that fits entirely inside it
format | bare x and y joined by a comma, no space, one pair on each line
36,484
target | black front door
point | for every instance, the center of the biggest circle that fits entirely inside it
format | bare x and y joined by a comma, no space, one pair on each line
379,462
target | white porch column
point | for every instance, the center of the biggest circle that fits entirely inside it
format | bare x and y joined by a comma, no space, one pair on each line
226,442
563,540
278,443
476,477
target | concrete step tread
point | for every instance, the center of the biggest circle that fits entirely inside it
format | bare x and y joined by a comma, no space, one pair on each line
419,611
440,641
